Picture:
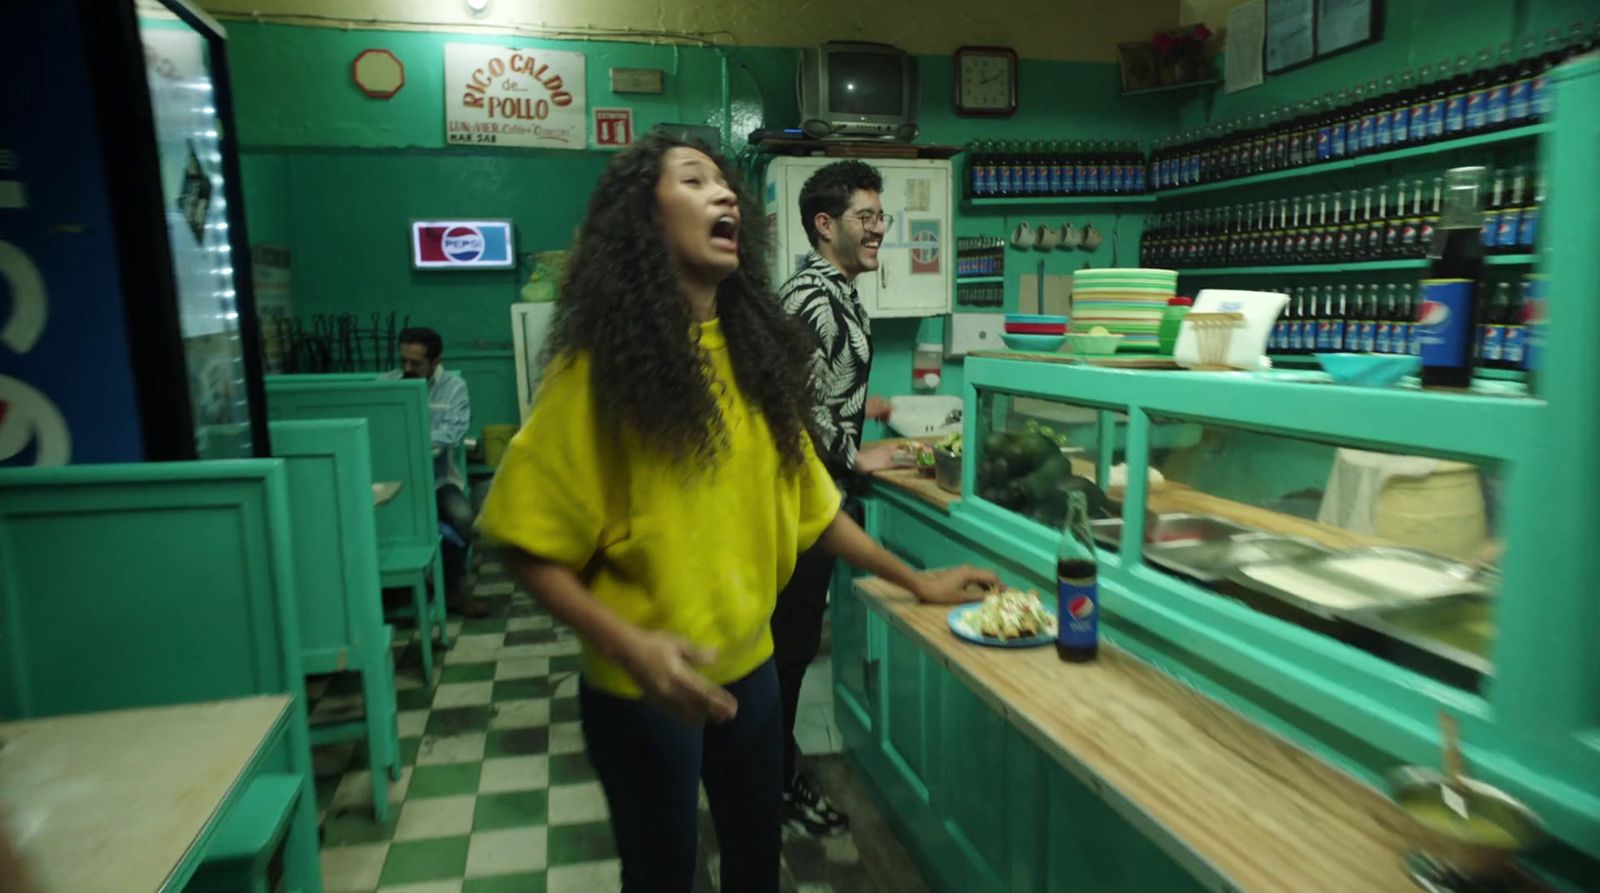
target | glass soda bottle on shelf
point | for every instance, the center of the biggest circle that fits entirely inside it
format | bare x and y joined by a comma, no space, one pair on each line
1528,227
1417,115
1492,332
1481,82
1077,586
1430,220
1383,120
1455,104
1400,110
1367,119
1385,321
1340,331
1447,317
1508,222
1492,211
1378,218
1394,223
1438,97
1497,109
1539,92
1519,96
1340,124
1514,354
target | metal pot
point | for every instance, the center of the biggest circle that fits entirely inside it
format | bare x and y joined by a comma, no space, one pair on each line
947,470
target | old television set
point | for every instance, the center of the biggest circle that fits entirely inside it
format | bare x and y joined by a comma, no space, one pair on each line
858,90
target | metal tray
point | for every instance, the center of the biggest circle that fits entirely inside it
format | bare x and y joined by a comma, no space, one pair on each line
1374,593
1211,560
1457,629
1178,527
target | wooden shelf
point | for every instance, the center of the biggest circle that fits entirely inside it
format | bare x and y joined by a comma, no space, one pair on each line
1532,131
1046,200
1407,263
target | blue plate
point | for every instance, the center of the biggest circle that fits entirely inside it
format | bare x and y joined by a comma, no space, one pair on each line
1042,343
1369,370
1036,318
960,629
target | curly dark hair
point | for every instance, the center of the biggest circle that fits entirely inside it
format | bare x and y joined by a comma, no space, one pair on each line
622,302
828,191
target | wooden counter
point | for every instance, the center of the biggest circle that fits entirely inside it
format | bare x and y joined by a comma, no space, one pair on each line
925,489
118,800
1264,814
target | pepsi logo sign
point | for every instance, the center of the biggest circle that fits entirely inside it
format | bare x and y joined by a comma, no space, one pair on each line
1434,313
462,244
1081,607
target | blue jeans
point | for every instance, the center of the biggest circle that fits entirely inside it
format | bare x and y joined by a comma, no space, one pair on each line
651,764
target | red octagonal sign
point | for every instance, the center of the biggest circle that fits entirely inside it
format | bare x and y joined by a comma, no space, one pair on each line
378,73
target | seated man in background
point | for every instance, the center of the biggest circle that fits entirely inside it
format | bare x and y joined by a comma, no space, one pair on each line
420,349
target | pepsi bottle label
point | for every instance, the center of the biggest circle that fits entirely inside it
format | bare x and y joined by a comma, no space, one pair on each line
1529,228
1507,228
1399,125
1496,108
1078,614
1514,349
1381,338
1337,137
1491,343
1518,106
1368,337
1419,122
1383,129
1491,227
1444,322
1539,96
1455,113
1477,109
1436,118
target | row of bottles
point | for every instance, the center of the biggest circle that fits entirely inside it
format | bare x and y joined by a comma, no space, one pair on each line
1441,102
1382,318
980,256
1376,223
981,295
1010,169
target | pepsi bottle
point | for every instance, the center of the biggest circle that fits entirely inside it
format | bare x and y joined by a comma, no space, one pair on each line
1447,319
1077,586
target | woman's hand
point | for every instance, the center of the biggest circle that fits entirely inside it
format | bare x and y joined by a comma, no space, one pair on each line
664,666
954,585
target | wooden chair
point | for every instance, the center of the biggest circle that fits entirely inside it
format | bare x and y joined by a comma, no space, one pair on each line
336,582
164,583
398,423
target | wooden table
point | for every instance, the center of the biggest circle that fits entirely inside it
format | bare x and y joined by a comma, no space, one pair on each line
124,800
384,491
1264,814
910,481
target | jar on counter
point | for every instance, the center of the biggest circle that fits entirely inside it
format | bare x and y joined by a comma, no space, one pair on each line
927,367
1171,322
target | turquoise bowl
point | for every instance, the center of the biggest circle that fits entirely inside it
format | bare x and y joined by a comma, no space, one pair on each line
1040,343
1369,370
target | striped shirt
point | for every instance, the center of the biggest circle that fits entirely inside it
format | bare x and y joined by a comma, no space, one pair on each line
450,410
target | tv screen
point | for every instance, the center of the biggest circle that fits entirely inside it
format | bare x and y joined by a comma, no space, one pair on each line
865,84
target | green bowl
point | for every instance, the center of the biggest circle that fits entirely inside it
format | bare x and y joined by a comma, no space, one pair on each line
1034,343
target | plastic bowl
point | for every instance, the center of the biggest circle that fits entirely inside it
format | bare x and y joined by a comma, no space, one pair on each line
1036,319
1101,345
1040,343
1369,370
1029,328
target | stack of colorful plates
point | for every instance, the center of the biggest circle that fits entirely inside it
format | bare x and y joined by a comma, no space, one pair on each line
1127,302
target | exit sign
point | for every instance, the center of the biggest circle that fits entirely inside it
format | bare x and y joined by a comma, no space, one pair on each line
613,127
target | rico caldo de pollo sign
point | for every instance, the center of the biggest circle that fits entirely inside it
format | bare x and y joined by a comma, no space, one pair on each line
504,96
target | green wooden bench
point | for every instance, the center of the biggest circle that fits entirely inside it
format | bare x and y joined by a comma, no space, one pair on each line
336,582
141,585
398,424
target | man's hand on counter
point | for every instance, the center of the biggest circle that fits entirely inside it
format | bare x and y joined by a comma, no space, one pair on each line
875,458
954,585
878,409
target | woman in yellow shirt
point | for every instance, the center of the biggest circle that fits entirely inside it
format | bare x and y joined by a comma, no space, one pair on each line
656,501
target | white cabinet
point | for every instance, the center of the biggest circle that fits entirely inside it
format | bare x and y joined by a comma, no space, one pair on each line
915,268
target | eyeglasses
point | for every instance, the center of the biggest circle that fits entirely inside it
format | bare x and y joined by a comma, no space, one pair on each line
868,218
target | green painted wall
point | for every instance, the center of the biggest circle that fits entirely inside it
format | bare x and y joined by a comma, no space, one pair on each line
1415,33
336,176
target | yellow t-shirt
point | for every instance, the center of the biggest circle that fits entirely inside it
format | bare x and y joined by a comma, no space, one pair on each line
702,555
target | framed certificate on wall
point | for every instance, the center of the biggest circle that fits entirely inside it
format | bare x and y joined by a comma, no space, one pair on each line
1291,38
1342,24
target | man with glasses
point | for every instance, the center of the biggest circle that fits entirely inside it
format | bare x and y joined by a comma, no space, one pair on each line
843,217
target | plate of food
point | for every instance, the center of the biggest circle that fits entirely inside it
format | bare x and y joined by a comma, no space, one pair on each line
1007,618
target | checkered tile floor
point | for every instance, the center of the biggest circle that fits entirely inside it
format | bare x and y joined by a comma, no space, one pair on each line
497,794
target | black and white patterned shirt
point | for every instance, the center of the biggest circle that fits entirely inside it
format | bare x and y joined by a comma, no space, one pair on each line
821,296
